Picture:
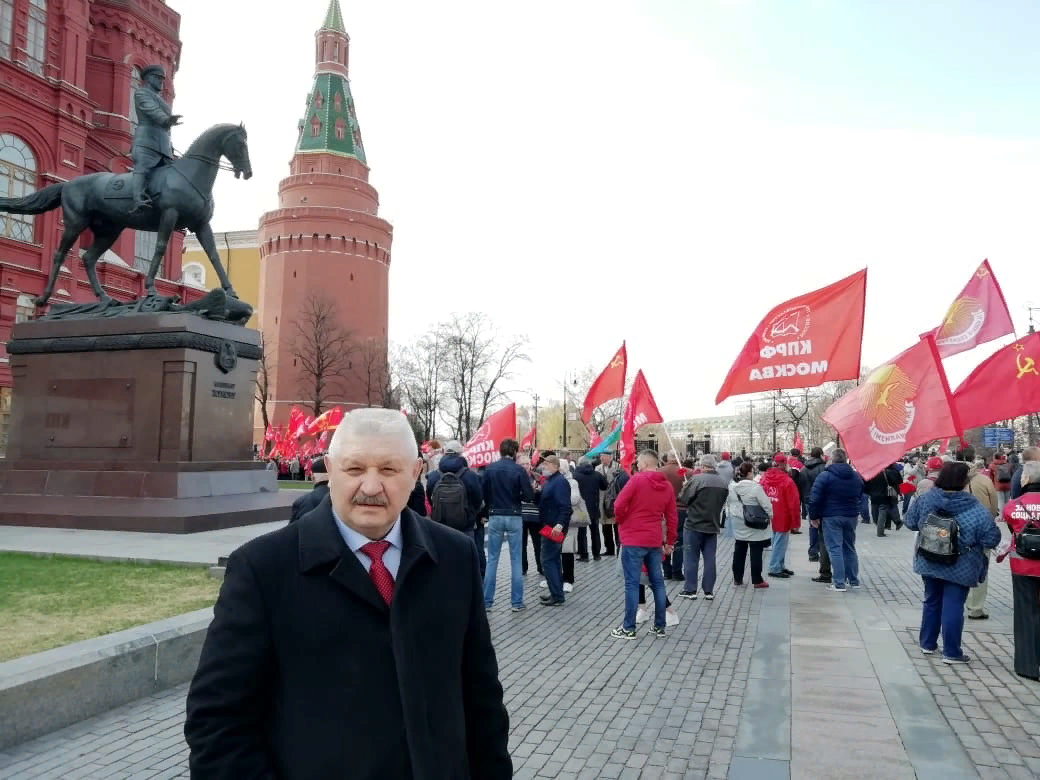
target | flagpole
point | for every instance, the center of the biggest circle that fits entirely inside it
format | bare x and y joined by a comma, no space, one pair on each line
671,445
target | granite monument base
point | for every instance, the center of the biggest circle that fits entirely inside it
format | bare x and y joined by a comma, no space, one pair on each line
139,423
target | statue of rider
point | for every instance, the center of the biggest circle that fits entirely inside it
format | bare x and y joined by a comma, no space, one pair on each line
151,147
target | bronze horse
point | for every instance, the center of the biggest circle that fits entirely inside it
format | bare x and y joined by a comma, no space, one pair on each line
182,197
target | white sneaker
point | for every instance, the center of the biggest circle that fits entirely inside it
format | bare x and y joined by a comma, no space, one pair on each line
543,584
641,615
567,587
671,617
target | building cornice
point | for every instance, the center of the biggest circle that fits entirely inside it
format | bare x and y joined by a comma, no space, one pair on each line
237,239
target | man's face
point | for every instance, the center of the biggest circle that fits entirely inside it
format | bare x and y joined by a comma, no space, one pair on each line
549,468
370,481
606,460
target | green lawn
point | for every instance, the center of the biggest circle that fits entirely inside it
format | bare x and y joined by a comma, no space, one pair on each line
49,602
289,484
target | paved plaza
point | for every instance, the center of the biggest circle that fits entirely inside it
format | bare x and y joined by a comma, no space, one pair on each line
793,682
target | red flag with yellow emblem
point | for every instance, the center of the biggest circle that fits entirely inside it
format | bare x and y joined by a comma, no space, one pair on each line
1005,385
903,403
610,384
979,314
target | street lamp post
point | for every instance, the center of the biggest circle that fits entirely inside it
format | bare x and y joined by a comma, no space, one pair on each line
567,375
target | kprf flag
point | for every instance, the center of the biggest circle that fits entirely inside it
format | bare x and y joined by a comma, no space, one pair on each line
528,442
1005,385
610,384
482,449
640,410
803,342
979,314
904,403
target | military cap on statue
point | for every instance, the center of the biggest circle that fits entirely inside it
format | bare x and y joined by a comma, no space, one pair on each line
158,70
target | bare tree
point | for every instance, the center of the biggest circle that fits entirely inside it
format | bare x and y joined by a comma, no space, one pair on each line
323,351
421,388
372,368
792,406
262,390
476,364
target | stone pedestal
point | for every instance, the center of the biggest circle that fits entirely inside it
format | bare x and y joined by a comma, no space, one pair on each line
139,423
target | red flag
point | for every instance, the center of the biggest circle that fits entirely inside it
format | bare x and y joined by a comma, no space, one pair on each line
328,420
798,443
610,383
296,422
535,457
803,342
482,449
944,446
640,410
904,403
1005,385
323,441
979,314
594,437
528,442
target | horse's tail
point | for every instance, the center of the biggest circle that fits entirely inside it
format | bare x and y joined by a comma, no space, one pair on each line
40,201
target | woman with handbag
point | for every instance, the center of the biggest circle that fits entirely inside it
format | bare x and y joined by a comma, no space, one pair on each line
750,512
579,519
1023,518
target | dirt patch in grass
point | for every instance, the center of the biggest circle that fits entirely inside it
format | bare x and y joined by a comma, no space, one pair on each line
49,602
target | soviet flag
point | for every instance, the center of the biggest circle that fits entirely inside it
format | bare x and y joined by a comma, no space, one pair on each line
979,314
1004,385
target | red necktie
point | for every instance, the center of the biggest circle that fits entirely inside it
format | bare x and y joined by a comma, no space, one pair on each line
380,575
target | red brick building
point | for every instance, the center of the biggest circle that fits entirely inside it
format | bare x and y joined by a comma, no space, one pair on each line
67,72
325,241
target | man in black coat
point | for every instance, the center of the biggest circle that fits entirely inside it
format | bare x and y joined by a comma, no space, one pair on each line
320,491
590,484
354,642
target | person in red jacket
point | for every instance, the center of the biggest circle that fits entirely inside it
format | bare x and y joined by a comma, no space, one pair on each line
646,520
1025,574
787,512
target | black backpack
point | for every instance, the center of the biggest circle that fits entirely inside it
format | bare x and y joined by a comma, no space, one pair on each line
938,538
611,495
1027,541
1004,473
450,502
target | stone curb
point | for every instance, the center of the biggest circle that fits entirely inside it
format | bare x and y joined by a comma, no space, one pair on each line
109,558
47,691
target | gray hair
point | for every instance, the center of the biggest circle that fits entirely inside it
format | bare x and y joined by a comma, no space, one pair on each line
374,423
1031,472
648,456
454,446
708,462
839,456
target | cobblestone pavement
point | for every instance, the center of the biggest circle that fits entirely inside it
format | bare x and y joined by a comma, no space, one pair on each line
793,682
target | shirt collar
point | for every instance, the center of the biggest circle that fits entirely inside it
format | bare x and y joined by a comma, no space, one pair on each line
355,541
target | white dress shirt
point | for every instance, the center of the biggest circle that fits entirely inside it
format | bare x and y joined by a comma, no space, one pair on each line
355,541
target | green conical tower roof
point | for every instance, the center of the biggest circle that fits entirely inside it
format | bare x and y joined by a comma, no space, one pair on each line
330,124
334,18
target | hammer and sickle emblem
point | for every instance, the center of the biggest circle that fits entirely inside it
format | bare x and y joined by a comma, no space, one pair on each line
982,273
617,361
1027,366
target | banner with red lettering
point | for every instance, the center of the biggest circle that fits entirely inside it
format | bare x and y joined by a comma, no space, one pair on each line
803,342
640,410
1003,386
610,384
482,449
979,314
903,403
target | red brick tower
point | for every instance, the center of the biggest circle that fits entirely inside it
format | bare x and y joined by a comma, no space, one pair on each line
325,243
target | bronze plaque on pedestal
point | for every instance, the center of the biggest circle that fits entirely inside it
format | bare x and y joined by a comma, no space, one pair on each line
89,413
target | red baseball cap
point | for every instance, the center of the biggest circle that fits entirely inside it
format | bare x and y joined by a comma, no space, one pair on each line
725,456
935,464
779,458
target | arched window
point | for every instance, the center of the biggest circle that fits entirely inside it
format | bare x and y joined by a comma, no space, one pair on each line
341,129
135,82
6,27
318,99
337,101
335,52
194,274
17,179
24,308
315,127
36,36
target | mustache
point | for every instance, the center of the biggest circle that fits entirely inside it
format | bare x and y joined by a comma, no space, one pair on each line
364,500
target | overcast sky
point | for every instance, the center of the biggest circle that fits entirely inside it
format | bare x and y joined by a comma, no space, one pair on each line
662,171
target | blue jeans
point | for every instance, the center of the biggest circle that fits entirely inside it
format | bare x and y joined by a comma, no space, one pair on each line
776,560
552,566
632,561
943,608
839,534
510,527
697,543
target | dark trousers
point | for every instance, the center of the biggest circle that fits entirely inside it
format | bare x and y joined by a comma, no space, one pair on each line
825,557
611,539
1026,595
943,611
583,541
531,531
478,537
740,551
814,541
882,513
568,567
642,597
672,565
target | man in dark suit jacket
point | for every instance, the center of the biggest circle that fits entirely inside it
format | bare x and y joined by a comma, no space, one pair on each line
320,491
353,642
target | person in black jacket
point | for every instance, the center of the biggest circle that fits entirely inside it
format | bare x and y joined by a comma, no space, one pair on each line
320,491
353,643
590,483
814,465
884,508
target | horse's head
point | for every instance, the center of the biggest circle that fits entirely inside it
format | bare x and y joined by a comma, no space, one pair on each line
237,152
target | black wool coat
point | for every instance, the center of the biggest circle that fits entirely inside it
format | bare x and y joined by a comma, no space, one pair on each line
307,674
